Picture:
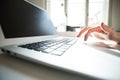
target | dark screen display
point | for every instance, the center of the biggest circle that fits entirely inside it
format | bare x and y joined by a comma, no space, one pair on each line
21,19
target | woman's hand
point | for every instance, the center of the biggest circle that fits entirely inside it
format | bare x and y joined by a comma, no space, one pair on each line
102,32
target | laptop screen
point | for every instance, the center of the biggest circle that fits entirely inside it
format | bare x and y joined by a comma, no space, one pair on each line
22,19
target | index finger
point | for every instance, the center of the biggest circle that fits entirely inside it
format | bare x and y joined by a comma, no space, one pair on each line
82,31
95,29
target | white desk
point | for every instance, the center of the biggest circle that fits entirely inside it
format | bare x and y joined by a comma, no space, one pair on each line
12,68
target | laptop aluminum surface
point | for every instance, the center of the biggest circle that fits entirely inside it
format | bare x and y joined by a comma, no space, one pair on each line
79,58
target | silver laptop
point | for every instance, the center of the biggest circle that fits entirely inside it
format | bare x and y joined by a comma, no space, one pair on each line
27,32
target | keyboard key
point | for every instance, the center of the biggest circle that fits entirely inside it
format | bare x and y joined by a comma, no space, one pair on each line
66,46
61,49
48,50
55,52
41,48
71,42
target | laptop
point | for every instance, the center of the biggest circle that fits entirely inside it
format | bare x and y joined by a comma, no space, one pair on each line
27,32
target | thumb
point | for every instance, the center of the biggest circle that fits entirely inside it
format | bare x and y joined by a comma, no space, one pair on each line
110,32
105,28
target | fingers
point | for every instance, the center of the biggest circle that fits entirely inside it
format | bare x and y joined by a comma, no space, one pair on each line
82,31
95,29
110,32
105,28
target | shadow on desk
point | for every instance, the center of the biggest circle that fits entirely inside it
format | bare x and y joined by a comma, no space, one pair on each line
12,68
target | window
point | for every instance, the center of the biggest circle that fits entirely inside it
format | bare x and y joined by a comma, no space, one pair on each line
78,13
98,12
57,14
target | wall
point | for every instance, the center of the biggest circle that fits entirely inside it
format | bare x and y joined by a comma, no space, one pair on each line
115,14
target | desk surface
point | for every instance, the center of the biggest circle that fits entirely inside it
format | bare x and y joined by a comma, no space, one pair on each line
12,68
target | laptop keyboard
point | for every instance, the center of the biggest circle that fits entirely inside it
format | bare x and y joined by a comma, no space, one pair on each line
54,46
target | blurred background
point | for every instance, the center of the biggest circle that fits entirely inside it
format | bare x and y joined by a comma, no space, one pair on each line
72,15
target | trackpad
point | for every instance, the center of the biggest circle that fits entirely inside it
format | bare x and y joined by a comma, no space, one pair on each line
113,49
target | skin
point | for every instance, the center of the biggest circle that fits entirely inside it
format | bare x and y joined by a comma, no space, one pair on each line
102,32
